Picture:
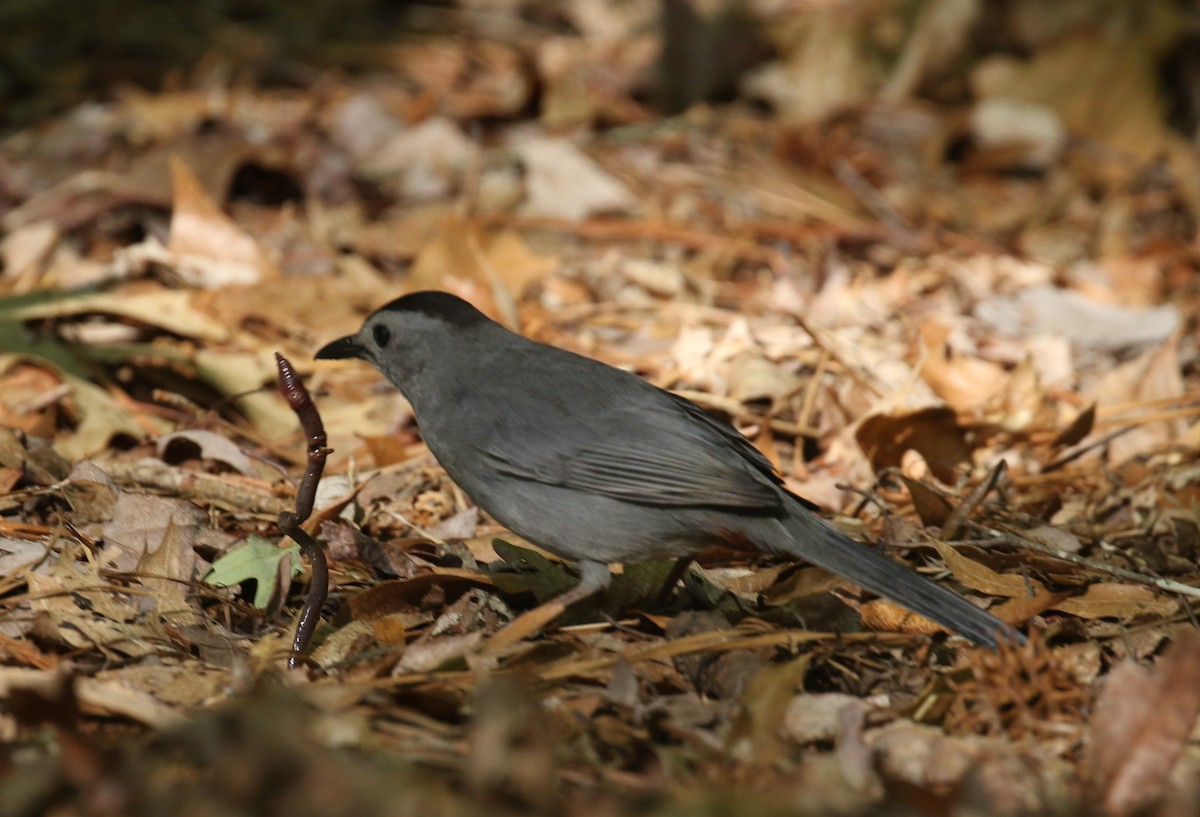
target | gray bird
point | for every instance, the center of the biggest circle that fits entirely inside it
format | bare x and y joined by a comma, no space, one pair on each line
596,465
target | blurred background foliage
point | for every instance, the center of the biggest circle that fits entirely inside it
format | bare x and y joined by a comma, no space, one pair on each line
55,54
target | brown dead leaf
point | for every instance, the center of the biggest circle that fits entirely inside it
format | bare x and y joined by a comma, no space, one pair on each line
813,717
406,595
807,581
396,237
169,309
167,572
29,399
934,433
490,269
1017,611
1155,376
24,254
1087,323
9,477
1120,601
183,685
35,459
427,656
755,735
362,124
101,418
888,617
424,162
1022,405
982,578
1100,83
96,694
921,755
19,554
107,623
139,527
209,249
931,506
826,69
448,256
965,383
1079,428
241,375
345,642
1140,727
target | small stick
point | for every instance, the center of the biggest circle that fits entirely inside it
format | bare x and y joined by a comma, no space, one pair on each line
999,537
292,388
957,521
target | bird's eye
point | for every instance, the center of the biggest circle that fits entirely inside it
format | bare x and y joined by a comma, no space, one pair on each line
381,334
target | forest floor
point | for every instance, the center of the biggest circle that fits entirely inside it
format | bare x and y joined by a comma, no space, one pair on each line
949,295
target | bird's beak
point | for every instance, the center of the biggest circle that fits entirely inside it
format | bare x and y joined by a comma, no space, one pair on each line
340,349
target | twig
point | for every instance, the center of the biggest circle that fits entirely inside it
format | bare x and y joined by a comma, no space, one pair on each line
292,388
876,202
957,520
235,493
1169,585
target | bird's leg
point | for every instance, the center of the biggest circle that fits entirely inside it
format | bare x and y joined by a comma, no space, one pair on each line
593,577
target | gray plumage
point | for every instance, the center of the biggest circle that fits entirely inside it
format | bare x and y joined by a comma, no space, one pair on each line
597,465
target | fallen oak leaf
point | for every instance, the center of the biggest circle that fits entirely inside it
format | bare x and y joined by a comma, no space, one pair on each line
259,559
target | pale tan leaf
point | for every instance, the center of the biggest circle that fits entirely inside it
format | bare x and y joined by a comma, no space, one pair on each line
1121,601
210,249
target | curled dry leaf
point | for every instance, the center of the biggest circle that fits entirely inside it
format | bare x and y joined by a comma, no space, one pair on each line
884,616
933,432
209,250
212,447
1140,727
1079,428
965,383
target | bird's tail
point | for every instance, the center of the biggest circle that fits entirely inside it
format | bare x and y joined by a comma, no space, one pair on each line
815,541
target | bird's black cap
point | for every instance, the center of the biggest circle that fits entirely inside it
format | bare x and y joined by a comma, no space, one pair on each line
442,305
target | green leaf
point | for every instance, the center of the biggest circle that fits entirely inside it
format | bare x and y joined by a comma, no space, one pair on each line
258,559
537,574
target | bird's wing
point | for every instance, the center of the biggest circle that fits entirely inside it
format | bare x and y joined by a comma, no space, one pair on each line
665,451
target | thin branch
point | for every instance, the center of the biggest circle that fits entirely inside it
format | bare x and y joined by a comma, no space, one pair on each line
1003,537
957,521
